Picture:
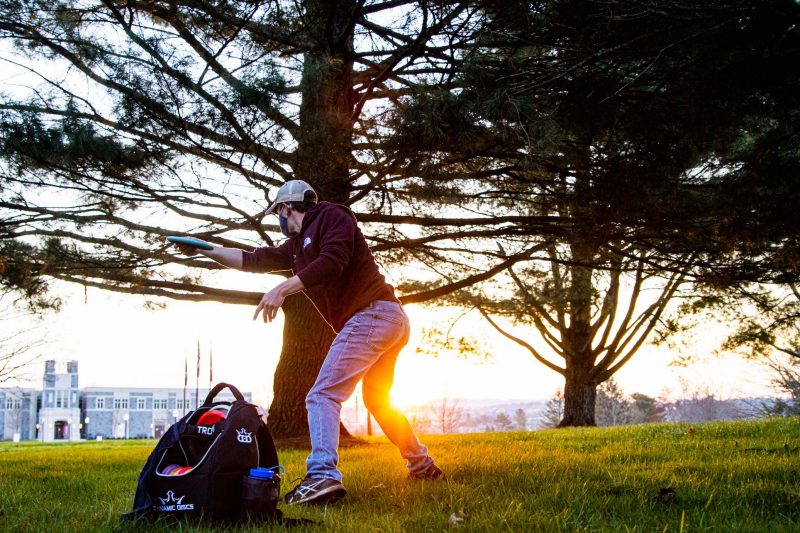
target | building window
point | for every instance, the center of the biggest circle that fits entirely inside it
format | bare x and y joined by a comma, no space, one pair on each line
100,403
13,403
184,404
140,403
61,399
120,403
159,404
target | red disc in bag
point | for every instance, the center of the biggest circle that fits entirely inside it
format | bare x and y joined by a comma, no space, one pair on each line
211,417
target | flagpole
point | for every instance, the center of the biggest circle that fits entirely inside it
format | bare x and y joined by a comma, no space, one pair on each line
185,380
210,367
197,379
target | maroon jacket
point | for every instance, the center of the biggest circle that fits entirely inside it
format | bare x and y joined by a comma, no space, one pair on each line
332,259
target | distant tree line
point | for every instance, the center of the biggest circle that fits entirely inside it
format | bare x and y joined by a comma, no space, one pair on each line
615,408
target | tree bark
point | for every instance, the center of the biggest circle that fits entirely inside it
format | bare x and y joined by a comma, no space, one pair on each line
324,149
306,339
579,387
579,399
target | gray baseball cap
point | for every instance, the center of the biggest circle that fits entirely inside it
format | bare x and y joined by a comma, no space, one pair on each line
291,191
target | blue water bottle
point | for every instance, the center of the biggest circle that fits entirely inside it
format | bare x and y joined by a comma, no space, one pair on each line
260,494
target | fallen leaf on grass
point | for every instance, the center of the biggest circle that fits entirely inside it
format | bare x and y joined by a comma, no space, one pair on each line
456,519
666,495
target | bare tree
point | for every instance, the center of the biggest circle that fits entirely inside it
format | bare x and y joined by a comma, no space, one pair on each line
786,380
421,423
699,404
446,415
119,426
13,413
21,336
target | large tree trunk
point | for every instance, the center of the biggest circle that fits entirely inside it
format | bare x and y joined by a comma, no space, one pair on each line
580,387
306,339
323,159
579,399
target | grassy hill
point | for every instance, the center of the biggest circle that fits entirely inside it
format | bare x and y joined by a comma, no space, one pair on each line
731,476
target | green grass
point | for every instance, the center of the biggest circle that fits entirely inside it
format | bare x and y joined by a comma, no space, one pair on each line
736,476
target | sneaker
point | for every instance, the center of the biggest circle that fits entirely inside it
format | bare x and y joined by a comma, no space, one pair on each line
432,472
316,491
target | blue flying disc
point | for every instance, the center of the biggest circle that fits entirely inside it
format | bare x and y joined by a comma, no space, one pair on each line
190,241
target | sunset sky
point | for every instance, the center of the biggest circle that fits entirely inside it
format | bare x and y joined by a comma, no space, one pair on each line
119,342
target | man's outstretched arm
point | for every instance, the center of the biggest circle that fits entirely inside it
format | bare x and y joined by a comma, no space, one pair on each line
267,259
229,257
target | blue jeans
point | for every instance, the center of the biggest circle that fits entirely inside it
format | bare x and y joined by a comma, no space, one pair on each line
367,347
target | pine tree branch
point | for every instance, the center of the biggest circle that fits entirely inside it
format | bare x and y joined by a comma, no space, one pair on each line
174,291
408,52
469,281
236,84
179,125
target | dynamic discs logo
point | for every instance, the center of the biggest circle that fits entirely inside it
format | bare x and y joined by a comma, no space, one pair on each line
172,504
243,436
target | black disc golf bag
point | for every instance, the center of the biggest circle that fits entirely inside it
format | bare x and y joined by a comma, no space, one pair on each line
198,470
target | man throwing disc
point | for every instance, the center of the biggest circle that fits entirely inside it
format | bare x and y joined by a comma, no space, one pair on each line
331,262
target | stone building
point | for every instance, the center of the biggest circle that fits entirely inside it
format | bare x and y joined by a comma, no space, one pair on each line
63,412
18,408
59,411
